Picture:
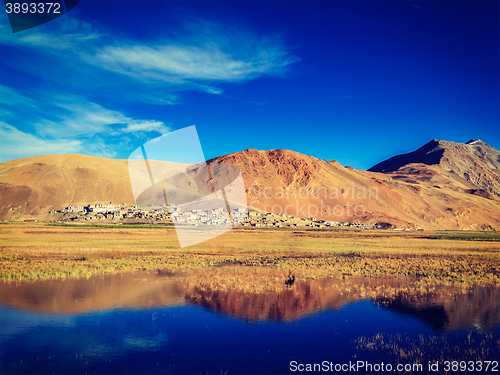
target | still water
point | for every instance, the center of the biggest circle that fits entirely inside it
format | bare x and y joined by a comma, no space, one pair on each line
150,322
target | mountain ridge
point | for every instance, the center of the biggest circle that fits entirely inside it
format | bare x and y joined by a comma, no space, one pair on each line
414,195
473,165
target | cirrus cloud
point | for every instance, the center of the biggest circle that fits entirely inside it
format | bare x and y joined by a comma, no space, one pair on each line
202,55
17,144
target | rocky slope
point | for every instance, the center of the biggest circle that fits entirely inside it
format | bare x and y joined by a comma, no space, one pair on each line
280,180
473,166
442,185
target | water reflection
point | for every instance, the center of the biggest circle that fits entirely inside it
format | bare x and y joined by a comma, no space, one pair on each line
154,323
440,307
449,308
70,296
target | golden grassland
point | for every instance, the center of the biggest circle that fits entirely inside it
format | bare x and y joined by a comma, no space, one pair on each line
31,251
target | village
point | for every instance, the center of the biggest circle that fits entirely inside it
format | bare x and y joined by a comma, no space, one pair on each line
172,214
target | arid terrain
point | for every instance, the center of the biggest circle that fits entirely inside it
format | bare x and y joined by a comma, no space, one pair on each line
440,188
442,185
263,258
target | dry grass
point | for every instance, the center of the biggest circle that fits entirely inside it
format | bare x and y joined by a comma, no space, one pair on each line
32,251
432,349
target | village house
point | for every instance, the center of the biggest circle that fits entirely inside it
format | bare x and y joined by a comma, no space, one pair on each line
198,217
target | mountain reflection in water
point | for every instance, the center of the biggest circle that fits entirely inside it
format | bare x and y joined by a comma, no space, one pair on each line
440,307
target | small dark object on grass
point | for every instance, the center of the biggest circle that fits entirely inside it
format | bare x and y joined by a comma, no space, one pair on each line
290,280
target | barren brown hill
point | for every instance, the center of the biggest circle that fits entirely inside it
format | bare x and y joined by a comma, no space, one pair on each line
286,181
31,187
473,166
415,195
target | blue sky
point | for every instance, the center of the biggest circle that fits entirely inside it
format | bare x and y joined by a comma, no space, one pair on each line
354,81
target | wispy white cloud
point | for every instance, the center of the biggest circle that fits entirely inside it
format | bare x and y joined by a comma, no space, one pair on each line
17,144
12,99
199,57
68,124
181,63
145,126
54,37
157,96
82,118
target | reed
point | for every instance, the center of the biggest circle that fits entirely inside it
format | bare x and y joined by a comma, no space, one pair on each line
31,251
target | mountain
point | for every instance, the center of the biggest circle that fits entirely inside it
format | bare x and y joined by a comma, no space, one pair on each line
473,166
419,198
442,185
31,187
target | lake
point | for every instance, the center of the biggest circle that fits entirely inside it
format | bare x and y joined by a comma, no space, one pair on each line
156,323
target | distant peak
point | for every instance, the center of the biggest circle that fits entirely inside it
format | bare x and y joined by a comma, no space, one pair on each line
434,142
474,141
